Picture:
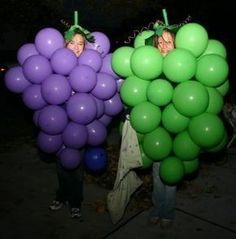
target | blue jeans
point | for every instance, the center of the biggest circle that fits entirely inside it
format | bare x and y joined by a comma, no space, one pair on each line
163,196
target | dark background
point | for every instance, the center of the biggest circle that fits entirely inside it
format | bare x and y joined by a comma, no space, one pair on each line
116,18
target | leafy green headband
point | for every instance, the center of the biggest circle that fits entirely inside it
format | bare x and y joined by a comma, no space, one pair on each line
76,28
158,28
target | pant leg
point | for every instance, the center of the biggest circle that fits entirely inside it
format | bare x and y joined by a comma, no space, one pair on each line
70,185
75,187
163,196
170,201
61,192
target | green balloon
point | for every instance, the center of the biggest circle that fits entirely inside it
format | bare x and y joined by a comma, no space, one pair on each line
160,92
147,162
172,170
157,144
190,98
216,101
140,39
120,61
173,121
146,62
215,47
184,147
179,65
145,117
223,88
191,166
192,37
220,146
133,90
206,130
212,70
140,137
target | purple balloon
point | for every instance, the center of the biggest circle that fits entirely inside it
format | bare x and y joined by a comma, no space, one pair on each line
100,107
15,80
56,89
49,143
33,98
106,66
53,119
83,78
48,40
60,150
36,117
75,135
63,61
114,105
105,119
25,52
37,68
70,158
102,43
90,58
106,86
81,108
97,133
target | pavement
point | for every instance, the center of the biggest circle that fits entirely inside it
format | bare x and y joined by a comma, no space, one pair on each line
206,207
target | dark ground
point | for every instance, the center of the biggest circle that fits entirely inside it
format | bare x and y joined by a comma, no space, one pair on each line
27,186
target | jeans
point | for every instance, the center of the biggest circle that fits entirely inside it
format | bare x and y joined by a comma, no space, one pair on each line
70,185
163,196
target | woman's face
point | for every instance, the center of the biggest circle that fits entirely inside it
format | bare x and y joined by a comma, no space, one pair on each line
165,43
76,44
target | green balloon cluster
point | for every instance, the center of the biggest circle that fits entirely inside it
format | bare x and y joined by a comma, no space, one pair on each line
175,100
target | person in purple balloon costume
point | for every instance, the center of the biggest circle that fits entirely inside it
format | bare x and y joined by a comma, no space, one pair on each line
70,180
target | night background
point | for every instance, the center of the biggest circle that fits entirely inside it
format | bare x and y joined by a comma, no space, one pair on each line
116,18
20,20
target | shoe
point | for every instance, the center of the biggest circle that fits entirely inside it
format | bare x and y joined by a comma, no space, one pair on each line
75,213
56,205
166,223
154,220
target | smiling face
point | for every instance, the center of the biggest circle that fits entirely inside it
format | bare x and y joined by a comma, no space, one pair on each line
76,44
165,42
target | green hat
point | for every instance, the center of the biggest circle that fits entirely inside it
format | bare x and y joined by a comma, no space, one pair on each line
159,27
76,28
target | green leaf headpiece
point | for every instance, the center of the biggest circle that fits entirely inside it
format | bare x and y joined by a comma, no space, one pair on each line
76,28
159,27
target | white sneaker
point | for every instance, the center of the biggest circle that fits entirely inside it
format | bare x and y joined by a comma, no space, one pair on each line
56,205
75,213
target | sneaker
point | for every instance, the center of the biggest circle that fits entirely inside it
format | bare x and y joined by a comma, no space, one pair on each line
75,213
56,205
166,223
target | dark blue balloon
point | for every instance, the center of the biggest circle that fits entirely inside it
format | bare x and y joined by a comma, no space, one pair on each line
95,159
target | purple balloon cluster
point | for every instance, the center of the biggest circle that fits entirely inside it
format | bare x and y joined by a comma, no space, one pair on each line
74,99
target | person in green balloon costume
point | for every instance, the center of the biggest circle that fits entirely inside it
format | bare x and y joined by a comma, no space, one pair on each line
163,195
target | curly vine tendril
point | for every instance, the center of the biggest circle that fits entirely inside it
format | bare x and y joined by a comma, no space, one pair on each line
65,23
150,26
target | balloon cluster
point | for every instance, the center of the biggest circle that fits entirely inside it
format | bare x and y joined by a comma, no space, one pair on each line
74,99
175,100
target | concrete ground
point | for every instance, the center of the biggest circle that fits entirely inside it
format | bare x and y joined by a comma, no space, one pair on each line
206,207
